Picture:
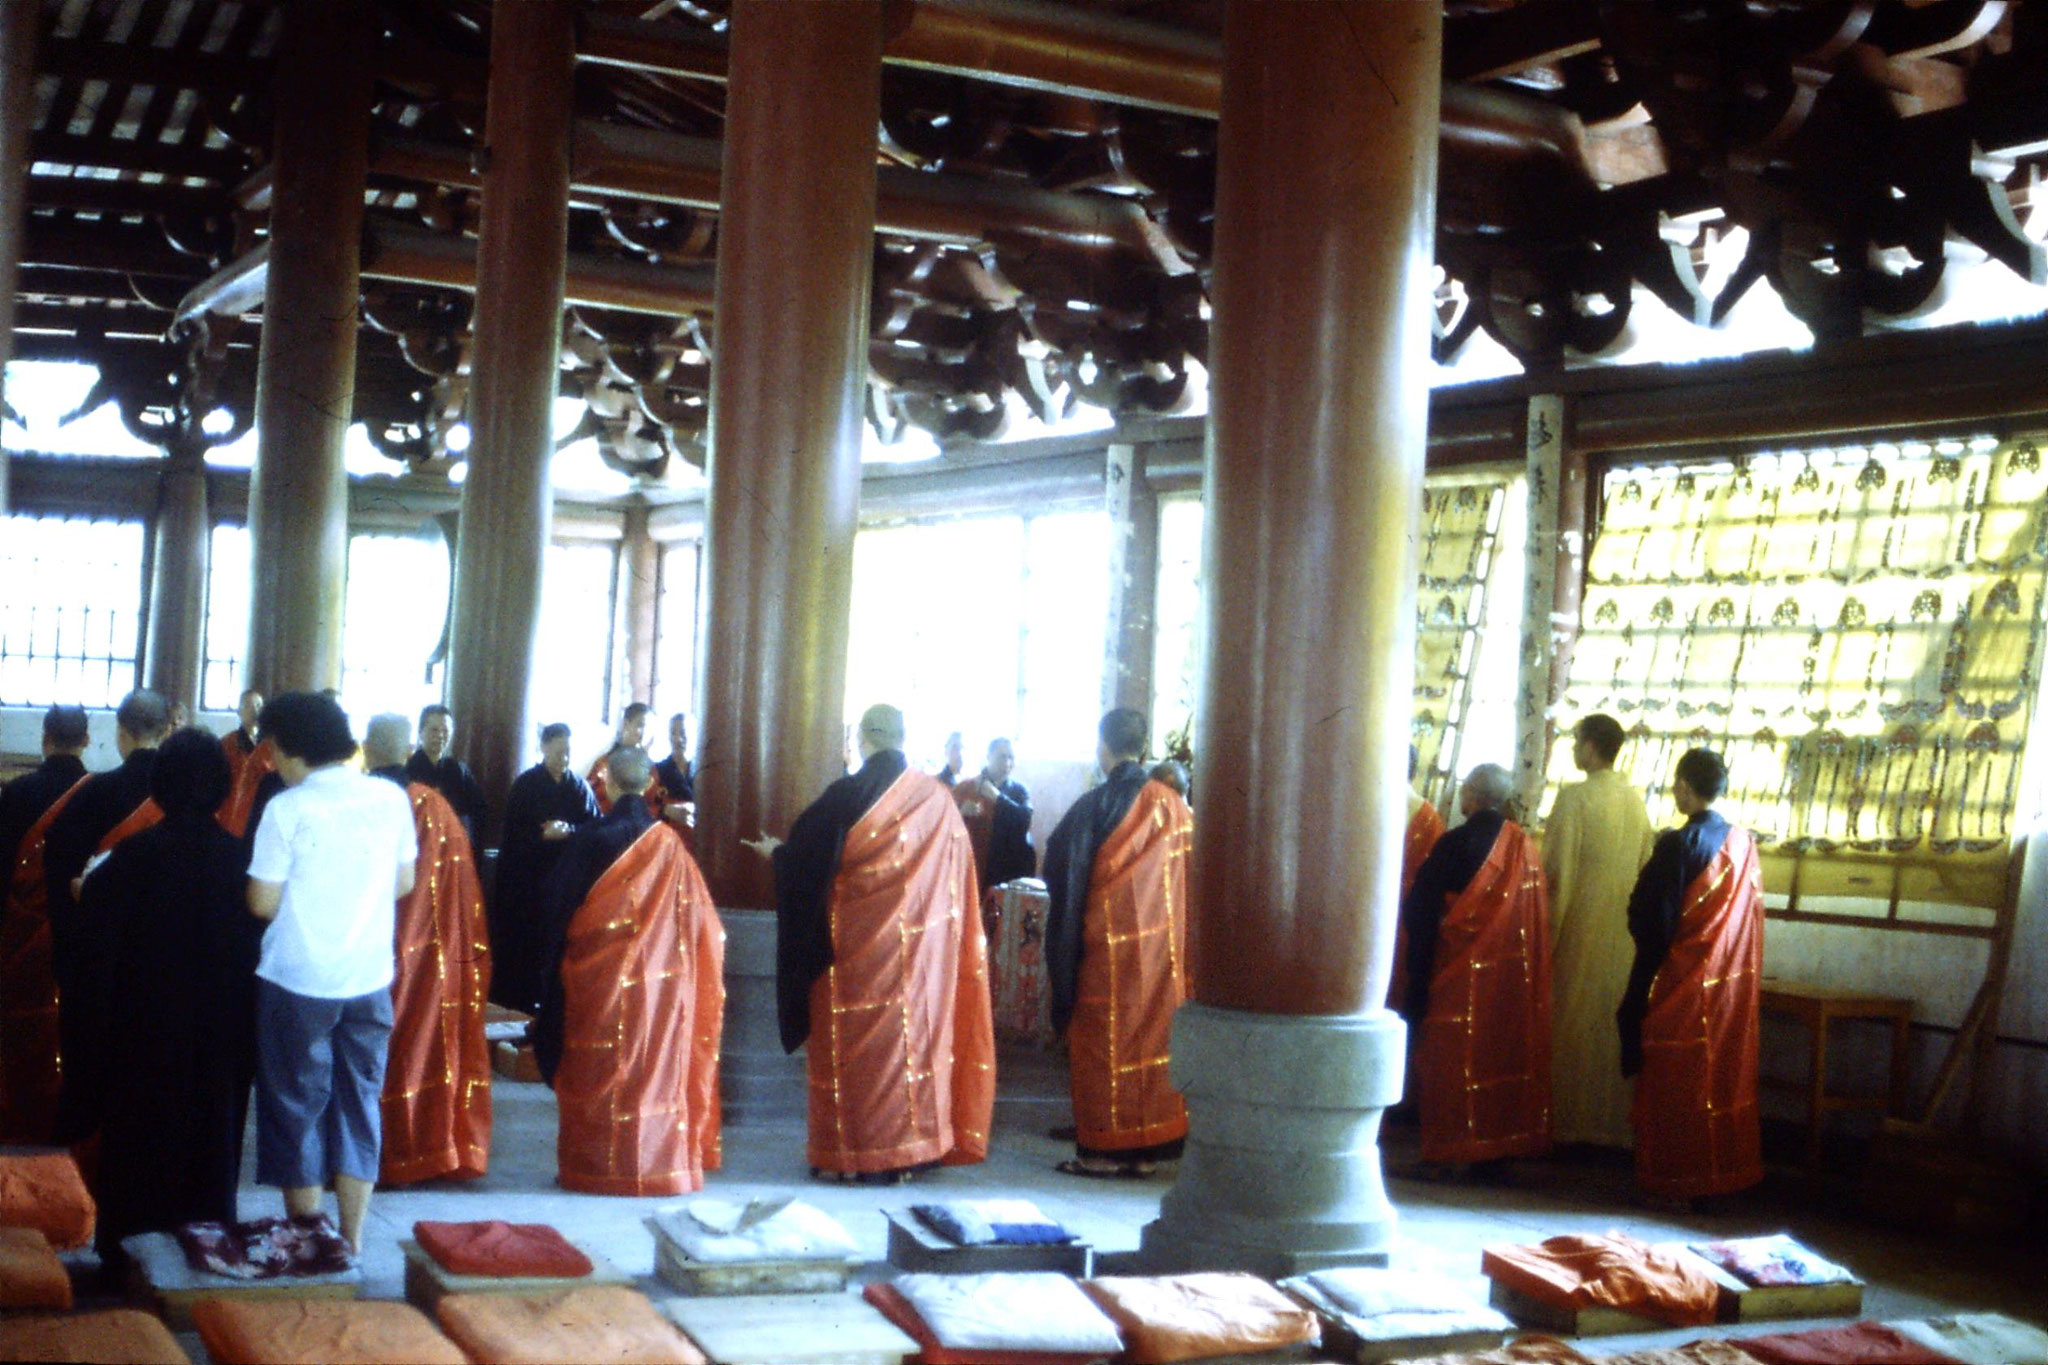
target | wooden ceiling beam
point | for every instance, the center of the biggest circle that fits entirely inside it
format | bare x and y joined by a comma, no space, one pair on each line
1495,43
222,166
121,198
136,64
123,247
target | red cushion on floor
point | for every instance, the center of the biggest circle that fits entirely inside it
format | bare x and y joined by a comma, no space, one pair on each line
897,1309
497,1248
31,1276
1858,1343
320,1332
118,1336
44,1190
603,1322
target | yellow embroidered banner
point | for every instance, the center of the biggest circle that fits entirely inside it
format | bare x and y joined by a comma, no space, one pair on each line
1461,520
1859,634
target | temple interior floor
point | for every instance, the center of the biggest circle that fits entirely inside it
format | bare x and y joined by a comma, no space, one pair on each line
1443,1227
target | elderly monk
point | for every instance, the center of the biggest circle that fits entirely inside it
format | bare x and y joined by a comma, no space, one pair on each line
997,813
1116,955
29,1077
240,742
1478,1004
1597,839
547,804
1425,827
881,967
636,953
436,1107
1689,1015
632,735
104,810
255,780
676,774
433,765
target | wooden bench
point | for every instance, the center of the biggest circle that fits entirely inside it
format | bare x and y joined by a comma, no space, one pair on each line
1816,1007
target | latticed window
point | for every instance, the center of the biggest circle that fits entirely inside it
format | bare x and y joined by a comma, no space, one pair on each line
1858,632
70,610
576,670
675,648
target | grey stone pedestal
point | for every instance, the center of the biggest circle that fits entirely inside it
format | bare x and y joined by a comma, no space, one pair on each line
1282,1171
758,1081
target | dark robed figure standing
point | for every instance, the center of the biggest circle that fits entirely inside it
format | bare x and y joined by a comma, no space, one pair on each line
1478,993
1116,954
881,968
1689,1019
432,765
180,950
997,812
547,804
634,951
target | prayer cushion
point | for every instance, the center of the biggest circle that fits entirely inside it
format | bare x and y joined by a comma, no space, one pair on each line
44,1190
1392,1305
1533,1350
319,1332
966,1320
710,1230
1614,1271
1859,1343
601,1323
31,1276
1166,1318
495,1248
118,1336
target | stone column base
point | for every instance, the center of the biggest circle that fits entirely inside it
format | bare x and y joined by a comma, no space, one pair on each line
1282,1171
758,1082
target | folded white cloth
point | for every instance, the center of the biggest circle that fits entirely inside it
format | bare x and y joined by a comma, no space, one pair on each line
723,1230
1384,1305
1028,1311
1979,1338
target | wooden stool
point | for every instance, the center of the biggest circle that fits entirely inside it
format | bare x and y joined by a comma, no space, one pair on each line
1816,1007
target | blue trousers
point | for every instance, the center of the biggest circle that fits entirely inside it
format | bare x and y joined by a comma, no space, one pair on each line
319,1085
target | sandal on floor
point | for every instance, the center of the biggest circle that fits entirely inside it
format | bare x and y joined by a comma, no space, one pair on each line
1122,1170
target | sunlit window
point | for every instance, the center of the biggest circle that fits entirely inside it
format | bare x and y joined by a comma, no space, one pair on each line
675,649
70,610
227,618
391,627
573,666
1066,615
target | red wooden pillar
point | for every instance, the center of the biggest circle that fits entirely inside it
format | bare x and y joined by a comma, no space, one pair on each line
507,501
306,369
19,22
1319,398
175,655
789,369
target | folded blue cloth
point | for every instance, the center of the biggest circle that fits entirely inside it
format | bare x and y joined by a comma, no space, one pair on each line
958,1223
991,1222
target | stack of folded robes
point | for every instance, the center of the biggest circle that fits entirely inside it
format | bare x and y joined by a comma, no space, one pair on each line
498,1249
1378,1306
1775,1262
1025,1318
267,1248
720,1230
1615,1271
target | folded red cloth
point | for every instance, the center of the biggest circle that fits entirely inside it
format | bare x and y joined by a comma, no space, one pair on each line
1615,1271
527,1250
1859,1343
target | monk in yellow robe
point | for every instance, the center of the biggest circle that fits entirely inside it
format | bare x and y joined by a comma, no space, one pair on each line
1597,839
882,970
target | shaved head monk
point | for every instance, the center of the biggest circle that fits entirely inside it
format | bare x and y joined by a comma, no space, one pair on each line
29,1078
1116,955
881,968
547,804
240,742
104,810
1689,1017
437,1075
632,734
997,812
1478,1005
634,951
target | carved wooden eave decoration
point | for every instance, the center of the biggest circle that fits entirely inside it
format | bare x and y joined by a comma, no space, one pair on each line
1046,193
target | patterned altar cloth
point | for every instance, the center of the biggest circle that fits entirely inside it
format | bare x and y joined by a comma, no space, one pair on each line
1014,915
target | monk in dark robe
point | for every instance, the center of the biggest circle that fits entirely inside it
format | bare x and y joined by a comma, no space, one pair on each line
29,1078
1116,955
997,813
105,809
632,735
1478,999
1689,1028
1425,827
181,949
436,1106
547,804
676,775
241,741
629,1030
882,970
432,765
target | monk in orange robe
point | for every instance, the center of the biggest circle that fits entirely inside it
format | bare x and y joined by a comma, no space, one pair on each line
238,813
632,734
882,970
1116,955
1425,827
240,742
437,1081
1688,1020
635,952
1478,998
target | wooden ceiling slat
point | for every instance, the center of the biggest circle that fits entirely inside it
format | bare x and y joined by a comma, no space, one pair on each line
63,149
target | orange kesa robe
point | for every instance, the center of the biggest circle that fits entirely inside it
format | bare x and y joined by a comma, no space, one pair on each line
1425,827
1134,975
599,778
238,749
1695,1104
234,812
643,989
141,818
1483,1062
437,1083
29,1076
901,1055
